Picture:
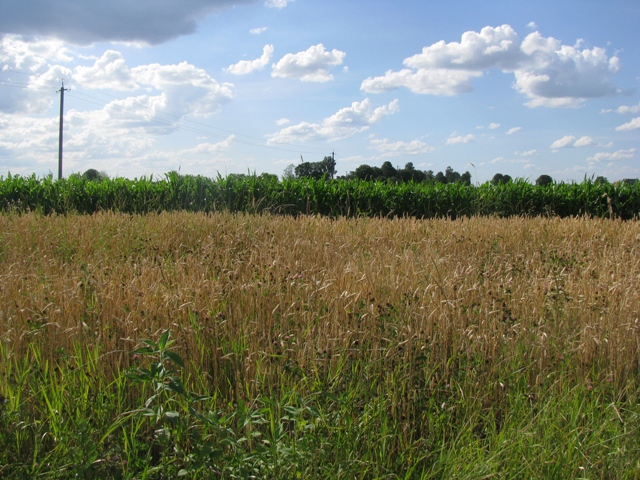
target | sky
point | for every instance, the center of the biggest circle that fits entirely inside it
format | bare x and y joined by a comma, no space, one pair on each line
214,87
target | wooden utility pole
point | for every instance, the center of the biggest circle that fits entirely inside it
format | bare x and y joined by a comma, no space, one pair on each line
62,90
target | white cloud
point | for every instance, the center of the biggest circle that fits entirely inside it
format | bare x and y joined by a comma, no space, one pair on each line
279,4
532,25
570,141
425,81
564,142
146,21
493,126
119,135
186,89
527,153
513,130
632,125
547,73
556,75
258,30
282,121
245,67
584,141
108,72
343,124
32,68
618,155
448,68
394,149
311,65
453,139
624,109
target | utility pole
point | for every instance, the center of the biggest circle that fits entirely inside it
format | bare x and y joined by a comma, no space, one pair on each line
62,90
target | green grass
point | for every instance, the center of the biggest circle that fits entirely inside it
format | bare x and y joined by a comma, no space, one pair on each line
356,420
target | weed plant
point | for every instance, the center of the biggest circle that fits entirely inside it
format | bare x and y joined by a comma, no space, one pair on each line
228,345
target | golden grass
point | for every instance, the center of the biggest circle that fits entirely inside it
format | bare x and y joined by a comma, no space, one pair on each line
251,298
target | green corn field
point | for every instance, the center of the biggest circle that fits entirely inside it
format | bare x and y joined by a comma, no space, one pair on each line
335,198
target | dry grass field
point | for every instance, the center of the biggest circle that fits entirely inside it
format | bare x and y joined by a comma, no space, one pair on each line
419,348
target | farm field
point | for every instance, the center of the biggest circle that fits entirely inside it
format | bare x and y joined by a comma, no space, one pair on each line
220,345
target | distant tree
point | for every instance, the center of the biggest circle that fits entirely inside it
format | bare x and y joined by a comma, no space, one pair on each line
544,180
388,170
452,175
410,174
366,172
94,175
465,178
629,181
232,176
441,178
289,172
317,170
500,179
601,180
329,167
429,177
271,177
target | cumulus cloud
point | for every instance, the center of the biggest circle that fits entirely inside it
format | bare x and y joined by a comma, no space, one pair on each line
569,141
160,98
424,81
454,139
394,149
632,125
613,156
546,72
556,75
81,22
180,90
311,65
258,30
34,70
245,67
513,130
625,109
584,141
176,90
343,124
564,142
109,71
185,88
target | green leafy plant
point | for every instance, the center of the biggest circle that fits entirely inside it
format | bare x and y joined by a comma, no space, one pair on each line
170,407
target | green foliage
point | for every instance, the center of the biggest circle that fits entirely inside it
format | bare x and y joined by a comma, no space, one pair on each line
500,179
325,169
452,197
544,180
354,419
388,173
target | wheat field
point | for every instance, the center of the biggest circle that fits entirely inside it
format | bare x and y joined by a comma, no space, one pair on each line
464,317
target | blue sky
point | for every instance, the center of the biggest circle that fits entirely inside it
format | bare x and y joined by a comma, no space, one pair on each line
237,86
